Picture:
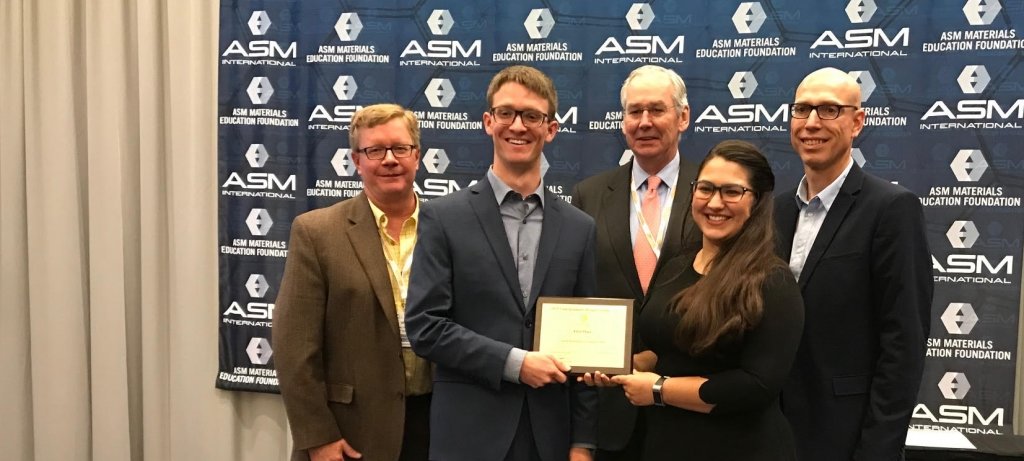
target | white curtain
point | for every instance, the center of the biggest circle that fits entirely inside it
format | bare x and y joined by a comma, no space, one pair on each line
108,294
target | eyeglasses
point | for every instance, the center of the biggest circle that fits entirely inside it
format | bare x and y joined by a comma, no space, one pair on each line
507,116
825,111
730,193
637,112
379,152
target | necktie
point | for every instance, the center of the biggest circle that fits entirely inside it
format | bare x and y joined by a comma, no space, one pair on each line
643,254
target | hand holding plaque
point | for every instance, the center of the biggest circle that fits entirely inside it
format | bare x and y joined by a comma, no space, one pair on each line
587,334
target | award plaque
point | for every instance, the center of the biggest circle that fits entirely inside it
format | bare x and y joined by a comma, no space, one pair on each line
587,334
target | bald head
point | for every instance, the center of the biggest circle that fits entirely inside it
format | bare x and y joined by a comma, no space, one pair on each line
839,82
824,143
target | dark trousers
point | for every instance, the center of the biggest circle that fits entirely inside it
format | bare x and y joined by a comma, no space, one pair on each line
524,447
633,451
416,437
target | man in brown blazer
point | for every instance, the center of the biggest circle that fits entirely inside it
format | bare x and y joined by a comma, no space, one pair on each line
351,385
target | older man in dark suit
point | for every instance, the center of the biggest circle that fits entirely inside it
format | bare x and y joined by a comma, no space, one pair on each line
857,245
485,254
630,248
351,385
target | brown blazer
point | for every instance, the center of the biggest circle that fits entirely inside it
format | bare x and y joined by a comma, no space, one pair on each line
336,343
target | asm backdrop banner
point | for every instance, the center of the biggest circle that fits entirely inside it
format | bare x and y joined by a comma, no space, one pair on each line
942,84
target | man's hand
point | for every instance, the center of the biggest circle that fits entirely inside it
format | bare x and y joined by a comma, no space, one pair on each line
645,361
580,454
334,451
540,369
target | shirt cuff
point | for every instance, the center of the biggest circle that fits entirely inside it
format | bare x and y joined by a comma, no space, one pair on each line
514,364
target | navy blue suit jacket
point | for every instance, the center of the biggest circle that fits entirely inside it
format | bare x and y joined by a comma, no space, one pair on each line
867,288
465,313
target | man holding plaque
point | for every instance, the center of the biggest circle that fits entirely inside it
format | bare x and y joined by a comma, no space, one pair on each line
485,254
640,212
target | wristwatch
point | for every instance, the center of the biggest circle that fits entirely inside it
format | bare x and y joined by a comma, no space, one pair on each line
659,400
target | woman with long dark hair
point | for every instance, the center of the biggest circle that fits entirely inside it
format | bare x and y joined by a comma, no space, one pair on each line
725,327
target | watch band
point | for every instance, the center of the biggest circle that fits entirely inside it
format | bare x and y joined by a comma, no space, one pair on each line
659,400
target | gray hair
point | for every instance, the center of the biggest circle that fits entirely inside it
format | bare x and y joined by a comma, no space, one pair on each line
650,70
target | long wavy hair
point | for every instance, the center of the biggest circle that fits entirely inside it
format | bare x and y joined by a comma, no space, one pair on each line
726,302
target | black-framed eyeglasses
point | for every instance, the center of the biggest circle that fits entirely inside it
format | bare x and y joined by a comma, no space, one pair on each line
379,152
636,113
825,111
507,116
730,193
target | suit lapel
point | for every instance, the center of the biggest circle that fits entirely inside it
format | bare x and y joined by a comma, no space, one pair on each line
616,224
549,233
365,238
679,219
481,199
785,219
835,217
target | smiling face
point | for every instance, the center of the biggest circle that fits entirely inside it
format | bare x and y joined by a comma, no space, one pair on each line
719,220
516,146
824,145
653,138
388,180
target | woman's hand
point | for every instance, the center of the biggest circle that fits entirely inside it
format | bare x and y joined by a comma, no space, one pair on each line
596,379
638,387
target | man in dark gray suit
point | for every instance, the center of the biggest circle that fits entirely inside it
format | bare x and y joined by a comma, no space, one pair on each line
484,255
655,115
857,246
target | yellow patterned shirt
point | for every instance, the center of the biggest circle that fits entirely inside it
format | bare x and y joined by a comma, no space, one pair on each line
398,254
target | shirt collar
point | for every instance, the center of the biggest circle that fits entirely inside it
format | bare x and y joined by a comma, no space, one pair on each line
668,175
501,189
382,219
828,194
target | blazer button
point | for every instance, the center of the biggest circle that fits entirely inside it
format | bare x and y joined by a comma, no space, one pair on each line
529,323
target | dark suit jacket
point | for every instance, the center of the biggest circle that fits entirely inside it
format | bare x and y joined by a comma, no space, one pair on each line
465,313
867,288
606,198
336,343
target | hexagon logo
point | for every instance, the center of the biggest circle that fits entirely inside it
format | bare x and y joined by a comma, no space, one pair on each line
539,23
440,22
981,12
749,17
973,79
348,27
640,16
439,92
866,82
256,155
954,386
435,161
962,234
858,156
742,85
860,11
959,318
259,351
345,87
544,165
259,22
260,90
342,162
627,155
969,165
257,286
259,222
